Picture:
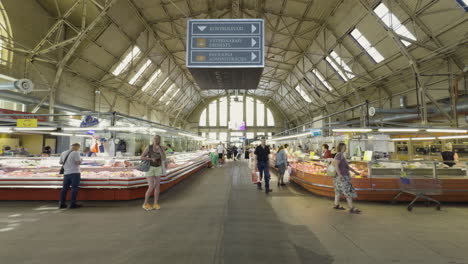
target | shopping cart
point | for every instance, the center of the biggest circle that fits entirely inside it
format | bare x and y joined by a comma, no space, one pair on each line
420,183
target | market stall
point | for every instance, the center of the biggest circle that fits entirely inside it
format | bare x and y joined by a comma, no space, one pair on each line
381,171
102,178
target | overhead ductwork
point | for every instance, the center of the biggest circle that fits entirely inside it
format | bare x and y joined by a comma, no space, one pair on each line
412,113
19,98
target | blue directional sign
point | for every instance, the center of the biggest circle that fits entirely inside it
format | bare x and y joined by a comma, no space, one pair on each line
225,43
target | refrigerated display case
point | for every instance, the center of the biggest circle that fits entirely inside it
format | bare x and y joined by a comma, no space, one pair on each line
101,178
379,180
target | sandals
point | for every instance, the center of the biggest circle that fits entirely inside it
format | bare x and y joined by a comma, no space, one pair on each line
354,210
338,207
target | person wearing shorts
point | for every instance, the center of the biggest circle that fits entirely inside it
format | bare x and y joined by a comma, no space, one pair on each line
220,149
156,155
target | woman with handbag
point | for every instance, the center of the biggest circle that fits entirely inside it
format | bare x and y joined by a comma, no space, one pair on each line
156,156
342,181
281,164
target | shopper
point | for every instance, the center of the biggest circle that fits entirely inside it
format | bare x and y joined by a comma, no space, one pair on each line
342,180
326,152
221,151
156,155
281,164
333,152
169,149
261,153
234,152
449,157
71,161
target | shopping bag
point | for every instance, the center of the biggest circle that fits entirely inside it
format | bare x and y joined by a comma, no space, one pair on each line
287,176
289,170
255,177
331,170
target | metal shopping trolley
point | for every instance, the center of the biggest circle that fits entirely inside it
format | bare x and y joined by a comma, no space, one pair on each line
420,182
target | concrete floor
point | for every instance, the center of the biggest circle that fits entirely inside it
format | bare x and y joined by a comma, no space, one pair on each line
217,216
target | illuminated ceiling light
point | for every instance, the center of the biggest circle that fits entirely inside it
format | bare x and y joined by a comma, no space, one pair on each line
35,129
61,134
446,130
81,128
400,139
424,138
398,129
292,136
126,61
452,137
352,130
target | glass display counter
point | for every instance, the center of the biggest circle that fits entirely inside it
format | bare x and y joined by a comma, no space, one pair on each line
96,173
379,180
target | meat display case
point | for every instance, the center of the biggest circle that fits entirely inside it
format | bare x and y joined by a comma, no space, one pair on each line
101,178
379,180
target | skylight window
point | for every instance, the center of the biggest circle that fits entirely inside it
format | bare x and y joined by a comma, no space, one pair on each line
140,71
168,92
365,44
333,59
161,86
322,79
126,61
151,80
464,4
172,97
303,94
394,23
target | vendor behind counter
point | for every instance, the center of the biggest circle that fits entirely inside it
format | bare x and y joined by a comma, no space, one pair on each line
450,157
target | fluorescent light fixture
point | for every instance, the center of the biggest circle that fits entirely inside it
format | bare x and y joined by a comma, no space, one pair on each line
136,129
80,135
400,139
446,130
140,72
398,129
6,129
35,128
81,128
292,136
157,130
61,134
151,80
424,138
452,137
352,130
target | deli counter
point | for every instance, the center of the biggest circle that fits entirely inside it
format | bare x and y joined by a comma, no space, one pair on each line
380,180
102,178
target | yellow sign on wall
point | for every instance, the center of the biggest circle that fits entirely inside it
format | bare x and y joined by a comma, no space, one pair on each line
32,122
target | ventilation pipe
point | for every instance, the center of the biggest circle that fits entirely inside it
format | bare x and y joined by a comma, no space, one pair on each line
19,98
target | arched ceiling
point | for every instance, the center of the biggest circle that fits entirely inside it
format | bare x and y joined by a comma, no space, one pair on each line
299,36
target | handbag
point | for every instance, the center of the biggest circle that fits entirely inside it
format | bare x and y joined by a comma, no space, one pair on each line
62,169
144,166
331,170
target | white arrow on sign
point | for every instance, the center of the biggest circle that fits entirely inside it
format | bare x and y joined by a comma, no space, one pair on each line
253,56
254,28
201,27
254,42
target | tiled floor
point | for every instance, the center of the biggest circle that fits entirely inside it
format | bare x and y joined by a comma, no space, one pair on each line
217,216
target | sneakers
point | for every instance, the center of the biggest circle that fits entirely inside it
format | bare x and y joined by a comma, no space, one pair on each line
156,207
76,206
147,207
62,206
